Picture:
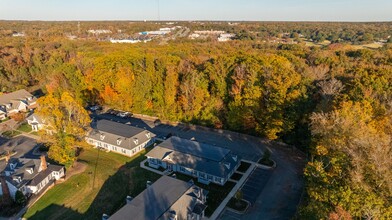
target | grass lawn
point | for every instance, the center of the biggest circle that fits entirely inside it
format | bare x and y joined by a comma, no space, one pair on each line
11,134
244,166
80,197
216,193
25,128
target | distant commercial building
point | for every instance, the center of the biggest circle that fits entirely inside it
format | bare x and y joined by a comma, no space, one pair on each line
119,138
209,164
91,31
166,199
225,37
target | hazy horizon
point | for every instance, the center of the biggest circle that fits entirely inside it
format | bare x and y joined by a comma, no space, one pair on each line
202,10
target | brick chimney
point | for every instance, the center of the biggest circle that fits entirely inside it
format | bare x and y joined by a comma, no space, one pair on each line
6,198
43,165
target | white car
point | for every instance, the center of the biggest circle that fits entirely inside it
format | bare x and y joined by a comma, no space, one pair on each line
122,114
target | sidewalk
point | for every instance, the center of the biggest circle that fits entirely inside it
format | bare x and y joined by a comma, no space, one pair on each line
222,206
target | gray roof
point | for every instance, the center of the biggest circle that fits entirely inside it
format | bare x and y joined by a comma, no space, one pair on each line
198,156
194,148
166,194
14,98
34,178
113,131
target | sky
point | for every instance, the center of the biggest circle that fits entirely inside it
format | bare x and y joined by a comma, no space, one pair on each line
232,10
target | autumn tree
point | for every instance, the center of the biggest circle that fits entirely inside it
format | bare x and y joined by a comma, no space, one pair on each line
67,122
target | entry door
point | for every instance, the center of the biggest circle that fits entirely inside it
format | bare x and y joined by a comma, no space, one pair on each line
170,167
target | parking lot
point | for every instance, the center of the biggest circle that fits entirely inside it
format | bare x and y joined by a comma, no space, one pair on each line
255,183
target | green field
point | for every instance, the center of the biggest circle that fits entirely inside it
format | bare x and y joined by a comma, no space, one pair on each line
80,197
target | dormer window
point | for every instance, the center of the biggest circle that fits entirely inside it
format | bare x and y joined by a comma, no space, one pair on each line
136,141
29,170
148,134
119,141
8,105
227,165
17,179
29,98
235,158
102,136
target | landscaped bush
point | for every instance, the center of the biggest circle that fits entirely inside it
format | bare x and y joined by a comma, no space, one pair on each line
244,166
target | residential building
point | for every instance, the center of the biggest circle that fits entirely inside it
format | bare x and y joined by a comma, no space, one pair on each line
31,176
36,122
225,37
119,138
205,162
167,198
15,102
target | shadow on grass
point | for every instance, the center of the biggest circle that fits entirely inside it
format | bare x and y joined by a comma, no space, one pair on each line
129,179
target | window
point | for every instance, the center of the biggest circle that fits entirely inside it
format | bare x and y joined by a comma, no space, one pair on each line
194,173
202,175
209,177
217,179
182,169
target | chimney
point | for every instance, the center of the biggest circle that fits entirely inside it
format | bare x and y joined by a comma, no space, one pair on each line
6,198
43,165
7,157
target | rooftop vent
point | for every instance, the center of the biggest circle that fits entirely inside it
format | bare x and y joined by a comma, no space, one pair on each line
128,199
148,183
105,217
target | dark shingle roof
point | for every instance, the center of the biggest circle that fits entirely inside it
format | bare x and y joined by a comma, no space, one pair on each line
201,157
118,128
114,131
153,202
194,148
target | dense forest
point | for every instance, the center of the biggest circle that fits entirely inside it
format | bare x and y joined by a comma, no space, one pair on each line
334,102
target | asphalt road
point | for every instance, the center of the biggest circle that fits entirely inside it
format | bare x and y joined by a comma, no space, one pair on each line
280,192
23,145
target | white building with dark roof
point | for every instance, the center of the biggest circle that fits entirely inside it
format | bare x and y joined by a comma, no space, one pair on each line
205,162
119,138
15,102
31,176
167,198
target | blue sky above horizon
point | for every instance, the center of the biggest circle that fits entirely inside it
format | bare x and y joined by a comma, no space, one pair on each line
250,10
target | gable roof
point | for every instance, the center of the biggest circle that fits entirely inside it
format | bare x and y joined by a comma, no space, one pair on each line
155,201
118,129
17,95
197,156
118,134
35,117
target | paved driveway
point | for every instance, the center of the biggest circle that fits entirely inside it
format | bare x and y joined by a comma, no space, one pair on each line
23,145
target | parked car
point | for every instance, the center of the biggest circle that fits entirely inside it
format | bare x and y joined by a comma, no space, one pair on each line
95,107
123,114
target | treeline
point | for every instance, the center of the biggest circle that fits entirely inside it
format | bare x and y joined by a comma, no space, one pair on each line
335,32
334,103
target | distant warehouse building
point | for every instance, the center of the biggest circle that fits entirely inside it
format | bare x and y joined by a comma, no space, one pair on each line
209,164
119,138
